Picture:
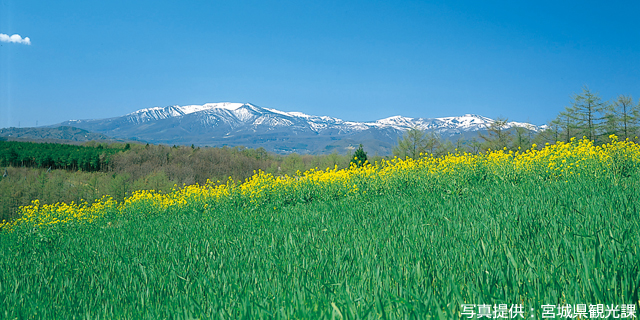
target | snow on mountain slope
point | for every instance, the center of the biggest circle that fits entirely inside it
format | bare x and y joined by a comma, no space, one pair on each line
239,114
397,121
152,114
467,122
208,106
157,113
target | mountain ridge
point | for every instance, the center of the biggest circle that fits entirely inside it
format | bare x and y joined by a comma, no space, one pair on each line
233,124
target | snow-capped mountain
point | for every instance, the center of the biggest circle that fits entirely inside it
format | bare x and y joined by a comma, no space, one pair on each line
233,124
467,122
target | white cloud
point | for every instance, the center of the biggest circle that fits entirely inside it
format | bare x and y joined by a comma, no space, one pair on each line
14,38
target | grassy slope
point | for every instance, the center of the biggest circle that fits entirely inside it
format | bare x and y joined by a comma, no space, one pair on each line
415,252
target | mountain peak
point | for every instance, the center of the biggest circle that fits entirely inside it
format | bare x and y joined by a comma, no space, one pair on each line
396,121
231,106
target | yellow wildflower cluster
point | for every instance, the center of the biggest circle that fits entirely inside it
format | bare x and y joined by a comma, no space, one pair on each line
560,161
38,214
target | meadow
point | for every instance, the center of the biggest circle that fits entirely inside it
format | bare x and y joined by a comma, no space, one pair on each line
424,238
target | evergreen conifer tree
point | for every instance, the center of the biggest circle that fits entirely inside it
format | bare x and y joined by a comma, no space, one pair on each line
359,157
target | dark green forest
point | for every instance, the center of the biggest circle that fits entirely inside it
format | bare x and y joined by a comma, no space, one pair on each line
53,172
56,156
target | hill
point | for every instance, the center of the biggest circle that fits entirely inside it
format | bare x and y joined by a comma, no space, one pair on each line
58,134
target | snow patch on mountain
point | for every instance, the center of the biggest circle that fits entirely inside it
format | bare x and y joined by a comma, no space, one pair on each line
278,112
268,120
399,121
208,106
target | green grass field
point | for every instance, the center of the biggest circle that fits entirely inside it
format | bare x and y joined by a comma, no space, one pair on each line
532,232
420,252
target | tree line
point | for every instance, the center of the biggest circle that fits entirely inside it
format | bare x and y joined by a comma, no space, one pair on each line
587,116
591,117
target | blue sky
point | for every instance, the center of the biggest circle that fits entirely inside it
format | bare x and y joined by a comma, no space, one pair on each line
355,60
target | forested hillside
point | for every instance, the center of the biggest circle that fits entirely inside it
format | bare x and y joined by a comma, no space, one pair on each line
61,134
63,173
56,156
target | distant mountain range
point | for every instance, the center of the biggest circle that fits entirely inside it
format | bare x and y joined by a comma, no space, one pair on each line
234,124
59,134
